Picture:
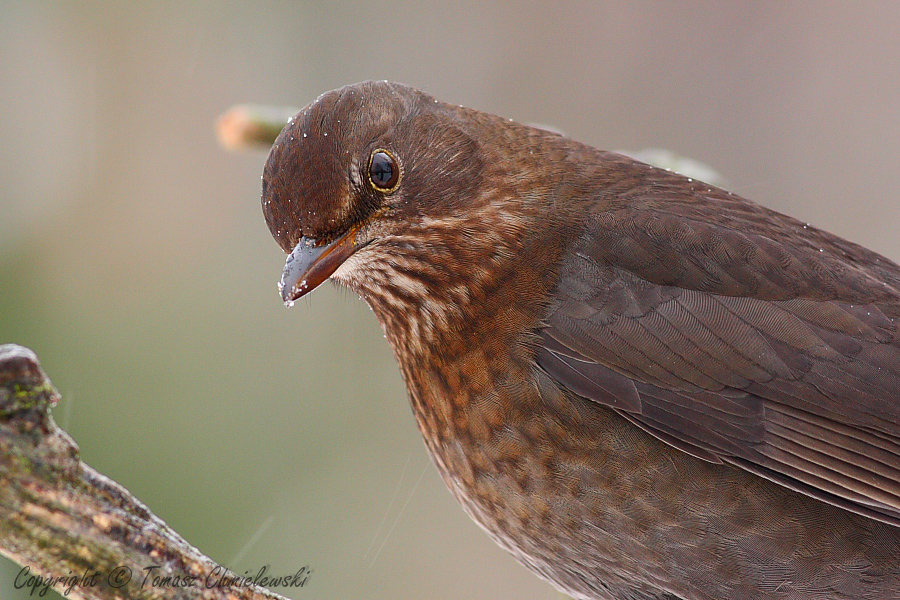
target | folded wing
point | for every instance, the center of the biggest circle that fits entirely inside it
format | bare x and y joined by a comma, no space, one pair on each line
739,336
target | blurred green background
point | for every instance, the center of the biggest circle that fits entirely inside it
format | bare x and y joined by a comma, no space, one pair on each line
135,261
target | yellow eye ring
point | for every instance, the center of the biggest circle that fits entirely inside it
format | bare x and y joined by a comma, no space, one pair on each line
384,171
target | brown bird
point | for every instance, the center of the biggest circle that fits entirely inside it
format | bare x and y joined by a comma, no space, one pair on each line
642,386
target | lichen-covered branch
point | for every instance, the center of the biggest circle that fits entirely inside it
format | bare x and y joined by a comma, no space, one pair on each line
74,529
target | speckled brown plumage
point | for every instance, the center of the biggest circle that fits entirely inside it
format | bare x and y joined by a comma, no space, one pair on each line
642,386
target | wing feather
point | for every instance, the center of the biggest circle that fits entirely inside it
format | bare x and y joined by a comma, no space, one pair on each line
732,339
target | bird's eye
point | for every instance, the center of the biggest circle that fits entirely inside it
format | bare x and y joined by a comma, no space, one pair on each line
384,172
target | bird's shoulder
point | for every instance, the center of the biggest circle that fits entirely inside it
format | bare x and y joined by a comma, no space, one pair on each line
737,334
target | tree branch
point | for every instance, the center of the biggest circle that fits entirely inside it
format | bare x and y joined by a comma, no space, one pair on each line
74,529
252,126
255,127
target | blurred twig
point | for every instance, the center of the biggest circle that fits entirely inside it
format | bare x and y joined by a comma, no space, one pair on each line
255,127
689,167
251,126
72,528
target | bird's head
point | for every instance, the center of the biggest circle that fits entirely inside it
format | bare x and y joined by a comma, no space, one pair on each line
360,172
